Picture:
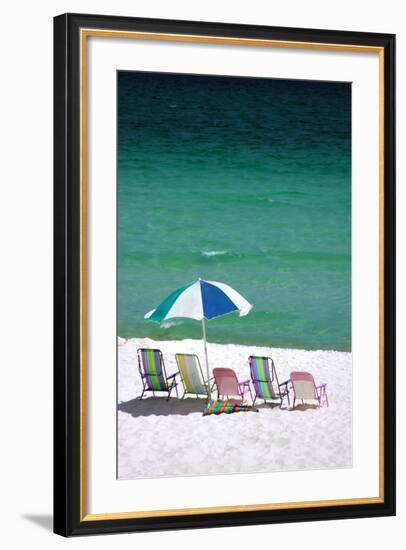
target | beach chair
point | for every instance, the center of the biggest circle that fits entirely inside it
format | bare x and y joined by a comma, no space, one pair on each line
227,384
304,388
153,374
265,380
192,376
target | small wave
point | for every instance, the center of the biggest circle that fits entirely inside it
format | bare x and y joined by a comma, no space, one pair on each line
263,199
170,324
214,252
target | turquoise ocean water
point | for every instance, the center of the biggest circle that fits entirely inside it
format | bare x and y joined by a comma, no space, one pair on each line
244,181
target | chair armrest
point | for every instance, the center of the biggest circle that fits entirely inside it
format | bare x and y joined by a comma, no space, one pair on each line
284,387
244,382
173,375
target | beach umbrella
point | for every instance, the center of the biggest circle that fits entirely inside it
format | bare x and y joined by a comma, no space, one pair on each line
200,300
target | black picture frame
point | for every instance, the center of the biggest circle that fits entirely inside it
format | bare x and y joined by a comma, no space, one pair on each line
68,519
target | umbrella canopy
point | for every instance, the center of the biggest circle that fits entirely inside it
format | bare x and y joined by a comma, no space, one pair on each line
200,300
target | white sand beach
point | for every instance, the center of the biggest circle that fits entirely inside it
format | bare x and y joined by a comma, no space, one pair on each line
172,438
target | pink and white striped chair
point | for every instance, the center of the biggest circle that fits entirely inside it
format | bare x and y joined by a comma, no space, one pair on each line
304,388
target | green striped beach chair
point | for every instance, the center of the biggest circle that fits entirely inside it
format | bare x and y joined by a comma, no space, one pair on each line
153,374
192,376
265,380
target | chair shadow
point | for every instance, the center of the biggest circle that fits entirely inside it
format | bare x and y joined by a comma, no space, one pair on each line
265,406
42,520
160,406
304,407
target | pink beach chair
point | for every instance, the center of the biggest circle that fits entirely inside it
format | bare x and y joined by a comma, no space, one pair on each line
304,388
228,385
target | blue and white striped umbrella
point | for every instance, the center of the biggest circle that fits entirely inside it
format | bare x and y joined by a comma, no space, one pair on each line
200,300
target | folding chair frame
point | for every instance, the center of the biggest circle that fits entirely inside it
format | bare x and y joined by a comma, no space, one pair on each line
321,394
283,388
241,385
170,381
205,382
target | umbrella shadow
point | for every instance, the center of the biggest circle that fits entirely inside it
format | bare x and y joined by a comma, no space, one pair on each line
160,406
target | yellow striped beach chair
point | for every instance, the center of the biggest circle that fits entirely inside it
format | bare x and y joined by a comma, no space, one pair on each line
153,374
192,376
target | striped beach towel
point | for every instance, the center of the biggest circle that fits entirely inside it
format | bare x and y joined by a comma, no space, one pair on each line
218,407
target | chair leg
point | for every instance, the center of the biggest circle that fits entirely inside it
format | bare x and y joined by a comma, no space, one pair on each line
170,391
144,387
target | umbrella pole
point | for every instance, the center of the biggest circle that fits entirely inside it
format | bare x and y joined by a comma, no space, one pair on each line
206,358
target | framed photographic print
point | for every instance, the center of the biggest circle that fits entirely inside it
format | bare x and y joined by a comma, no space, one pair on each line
224,274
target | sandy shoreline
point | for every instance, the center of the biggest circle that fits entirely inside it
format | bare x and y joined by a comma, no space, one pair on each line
159,438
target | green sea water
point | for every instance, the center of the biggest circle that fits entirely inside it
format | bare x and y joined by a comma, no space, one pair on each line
243,181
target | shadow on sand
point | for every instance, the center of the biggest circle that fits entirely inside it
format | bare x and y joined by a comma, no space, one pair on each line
161,407
266,406
304,407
